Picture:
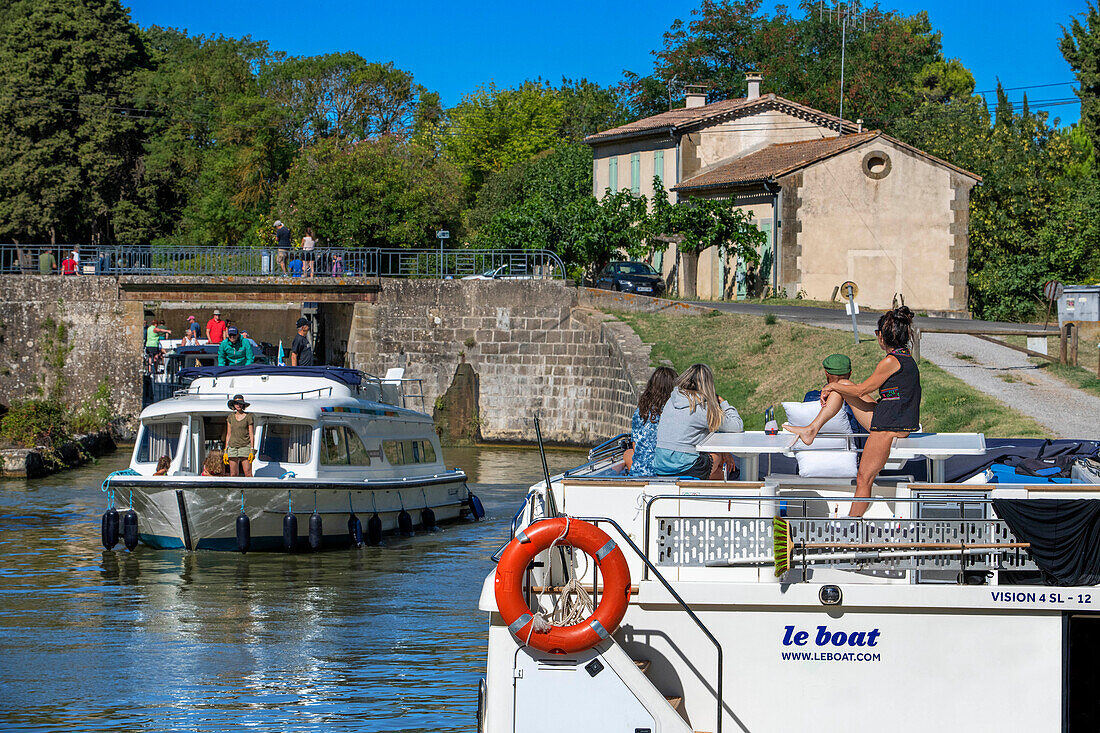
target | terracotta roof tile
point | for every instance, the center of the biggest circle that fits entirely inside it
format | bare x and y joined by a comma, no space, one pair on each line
774,161
676,120
782,158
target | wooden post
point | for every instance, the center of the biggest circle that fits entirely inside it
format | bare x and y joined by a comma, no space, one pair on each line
916,345
1063,344
1073,345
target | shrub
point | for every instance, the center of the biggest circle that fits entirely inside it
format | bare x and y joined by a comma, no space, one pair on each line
95,414
35,422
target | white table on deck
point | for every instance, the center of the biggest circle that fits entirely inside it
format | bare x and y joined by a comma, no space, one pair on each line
936,447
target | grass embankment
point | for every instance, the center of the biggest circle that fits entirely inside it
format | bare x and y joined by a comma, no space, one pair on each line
1082,376
759,362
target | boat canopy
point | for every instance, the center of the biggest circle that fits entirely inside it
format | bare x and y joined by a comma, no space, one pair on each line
343,375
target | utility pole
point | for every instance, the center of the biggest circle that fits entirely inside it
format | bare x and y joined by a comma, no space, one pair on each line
844,13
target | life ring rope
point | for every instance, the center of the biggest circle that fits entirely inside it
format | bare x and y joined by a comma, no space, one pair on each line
530,627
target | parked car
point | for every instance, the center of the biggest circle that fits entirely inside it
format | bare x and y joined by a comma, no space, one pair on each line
631,277
503,272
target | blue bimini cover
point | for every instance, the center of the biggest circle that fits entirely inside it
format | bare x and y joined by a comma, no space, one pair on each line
350,377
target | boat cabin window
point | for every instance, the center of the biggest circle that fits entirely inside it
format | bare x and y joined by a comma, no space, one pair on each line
341,446
402,452
159,439
213,433
284,442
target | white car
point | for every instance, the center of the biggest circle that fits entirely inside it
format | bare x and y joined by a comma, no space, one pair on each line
498,273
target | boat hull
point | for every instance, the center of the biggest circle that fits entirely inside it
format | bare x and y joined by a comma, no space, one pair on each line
193,514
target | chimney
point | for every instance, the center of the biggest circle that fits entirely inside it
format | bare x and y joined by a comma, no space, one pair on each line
753,79
695,95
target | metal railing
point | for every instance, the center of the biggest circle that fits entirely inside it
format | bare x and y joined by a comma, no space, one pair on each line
958,530
492,264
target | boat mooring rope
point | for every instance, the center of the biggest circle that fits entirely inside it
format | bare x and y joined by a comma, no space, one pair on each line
566,610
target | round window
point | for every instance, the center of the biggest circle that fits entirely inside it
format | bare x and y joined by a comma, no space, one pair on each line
876,164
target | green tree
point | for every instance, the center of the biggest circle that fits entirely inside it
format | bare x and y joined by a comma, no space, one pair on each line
492,129
1080,45
216,146
799,57
558,176
588,108
68,142
378,193
700,223
344,95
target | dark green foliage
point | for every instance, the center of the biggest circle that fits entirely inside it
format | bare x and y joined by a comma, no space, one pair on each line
94,414
799,57
32,423
67,153
378,193
1080,45
557,177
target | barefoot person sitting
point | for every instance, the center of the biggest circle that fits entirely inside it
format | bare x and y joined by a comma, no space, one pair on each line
693,412
894,415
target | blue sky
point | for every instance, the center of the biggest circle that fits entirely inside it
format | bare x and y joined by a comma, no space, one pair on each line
454,48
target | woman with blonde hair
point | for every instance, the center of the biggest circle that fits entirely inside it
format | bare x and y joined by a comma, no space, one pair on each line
694,411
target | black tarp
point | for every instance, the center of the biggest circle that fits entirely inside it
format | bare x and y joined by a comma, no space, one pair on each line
1064,536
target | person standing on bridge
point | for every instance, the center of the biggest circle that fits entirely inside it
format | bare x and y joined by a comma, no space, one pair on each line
301,353
308,243
215,328
282,244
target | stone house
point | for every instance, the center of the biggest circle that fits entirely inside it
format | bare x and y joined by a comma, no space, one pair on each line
847,204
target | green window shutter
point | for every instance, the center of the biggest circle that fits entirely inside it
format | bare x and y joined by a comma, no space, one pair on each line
613,174
636,173
659,164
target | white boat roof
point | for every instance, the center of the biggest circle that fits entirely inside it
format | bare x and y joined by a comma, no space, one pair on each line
280,395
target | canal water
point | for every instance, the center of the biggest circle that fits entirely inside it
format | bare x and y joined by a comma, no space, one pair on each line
377,639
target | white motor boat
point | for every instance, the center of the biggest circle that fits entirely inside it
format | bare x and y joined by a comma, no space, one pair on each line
334,448
758,606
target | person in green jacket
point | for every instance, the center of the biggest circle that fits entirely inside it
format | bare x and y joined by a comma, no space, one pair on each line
234,350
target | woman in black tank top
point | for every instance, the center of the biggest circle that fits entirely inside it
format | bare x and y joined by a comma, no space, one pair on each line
895,414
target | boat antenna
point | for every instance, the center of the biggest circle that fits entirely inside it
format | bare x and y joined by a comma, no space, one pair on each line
545,468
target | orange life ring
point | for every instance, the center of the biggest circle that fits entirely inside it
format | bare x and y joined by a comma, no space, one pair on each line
517,556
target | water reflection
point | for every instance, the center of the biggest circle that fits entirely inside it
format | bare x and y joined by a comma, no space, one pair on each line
385,638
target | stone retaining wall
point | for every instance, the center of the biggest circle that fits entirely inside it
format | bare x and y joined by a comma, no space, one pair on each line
534,350
75,328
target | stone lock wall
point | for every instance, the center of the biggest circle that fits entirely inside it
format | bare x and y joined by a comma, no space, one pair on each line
75,328
534,346
535,351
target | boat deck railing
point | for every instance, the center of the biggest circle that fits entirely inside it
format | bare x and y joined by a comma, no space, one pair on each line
947,537
307,394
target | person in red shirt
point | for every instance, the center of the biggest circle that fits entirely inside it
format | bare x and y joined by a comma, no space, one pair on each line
68,266
215,328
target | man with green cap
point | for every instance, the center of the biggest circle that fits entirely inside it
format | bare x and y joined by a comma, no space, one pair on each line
837,367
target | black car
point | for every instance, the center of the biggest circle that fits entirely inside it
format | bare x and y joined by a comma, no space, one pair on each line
631,277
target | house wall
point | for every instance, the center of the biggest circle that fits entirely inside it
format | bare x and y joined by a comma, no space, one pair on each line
645,148
744,135
896,234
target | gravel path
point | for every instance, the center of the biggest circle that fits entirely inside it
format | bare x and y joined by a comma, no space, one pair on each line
1008,376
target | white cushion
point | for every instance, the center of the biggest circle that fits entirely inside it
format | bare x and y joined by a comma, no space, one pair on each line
803,413
827,457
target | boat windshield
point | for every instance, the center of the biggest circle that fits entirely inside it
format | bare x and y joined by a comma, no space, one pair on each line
159,439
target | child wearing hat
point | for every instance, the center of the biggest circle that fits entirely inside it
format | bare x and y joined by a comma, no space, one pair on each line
240,436
837,367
